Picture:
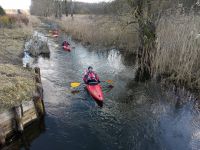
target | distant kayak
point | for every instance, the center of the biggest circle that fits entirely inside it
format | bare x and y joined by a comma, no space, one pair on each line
55,35
95,91
67,48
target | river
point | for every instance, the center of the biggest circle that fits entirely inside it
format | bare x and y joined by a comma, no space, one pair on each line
134,116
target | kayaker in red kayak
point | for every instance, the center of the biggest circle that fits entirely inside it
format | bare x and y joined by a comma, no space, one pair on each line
90,76
65,43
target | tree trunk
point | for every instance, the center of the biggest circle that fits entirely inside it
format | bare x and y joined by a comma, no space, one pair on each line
147,41
66,9
72,9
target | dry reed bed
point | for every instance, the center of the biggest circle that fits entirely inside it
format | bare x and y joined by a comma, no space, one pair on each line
106,31
178,49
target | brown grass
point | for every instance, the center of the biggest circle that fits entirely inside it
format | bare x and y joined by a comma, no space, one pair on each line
13,20
17,85
106,31
34,21
178,49
12,43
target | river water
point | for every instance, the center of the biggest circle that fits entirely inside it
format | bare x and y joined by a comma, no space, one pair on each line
134,116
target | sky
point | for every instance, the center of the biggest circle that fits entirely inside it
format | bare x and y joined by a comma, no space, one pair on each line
92,1
15,4
25,4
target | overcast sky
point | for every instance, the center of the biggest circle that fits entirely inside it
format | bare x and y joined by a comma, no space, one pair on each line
92,1
25,4
15,4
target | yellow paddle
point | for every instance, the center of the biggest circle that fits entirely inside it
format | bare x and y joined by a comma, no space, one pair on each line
77,84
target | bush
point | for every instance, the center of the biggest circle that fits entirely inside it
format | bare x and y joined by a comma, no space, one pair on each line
2,12
10,20
19,19
4,21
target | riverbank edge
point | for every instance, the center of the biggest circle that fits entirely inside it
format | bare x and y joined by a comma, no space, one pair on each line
17,117
14,120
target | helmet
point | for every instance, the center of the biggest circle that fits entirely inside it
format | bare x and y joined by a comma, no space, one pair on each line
90,68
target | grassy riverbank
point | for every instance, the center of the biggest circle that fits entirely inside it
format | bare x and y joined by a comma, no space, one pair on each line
17,83
102,31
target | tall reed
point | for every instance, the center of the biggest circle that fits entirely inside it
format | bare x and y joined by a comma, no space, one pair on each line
178,49
101,30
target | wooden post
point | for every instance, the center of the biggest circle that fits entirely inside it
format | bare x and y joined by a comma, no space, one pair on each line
2,136
18,113
38,76
39,90
37,70
39,106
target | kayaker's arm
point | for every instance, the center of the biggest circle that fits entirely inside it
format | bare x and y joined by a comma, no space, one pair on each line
97,77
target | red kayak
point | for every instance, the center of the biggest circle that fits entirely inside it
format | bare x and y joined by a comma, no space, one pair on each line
96,92
67,48
55,35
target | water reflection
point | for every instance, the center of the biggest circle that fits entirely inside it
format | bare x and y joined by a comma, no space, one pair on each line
25,139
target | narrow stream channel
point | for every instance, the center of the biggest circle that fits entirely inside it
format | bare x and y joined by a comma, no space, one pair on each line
135,116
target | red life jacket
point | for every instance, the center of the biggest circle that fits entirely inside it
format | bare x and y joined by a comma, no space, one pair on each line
91,76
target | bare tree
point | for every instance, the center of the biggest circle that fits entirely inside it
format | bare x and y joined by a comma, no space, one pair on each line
65,7
71,8
48,7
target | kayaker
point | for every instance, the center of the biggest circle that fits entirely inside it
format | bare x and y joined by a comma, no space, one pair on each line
90,76
65,43
55,31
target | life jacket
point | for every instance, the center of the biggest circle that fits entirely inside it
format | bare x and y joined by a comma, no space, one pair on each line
90,76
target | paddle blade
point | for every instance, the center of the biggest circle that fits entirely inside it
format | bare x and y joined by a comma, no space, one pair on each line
75,92
75,84
109,81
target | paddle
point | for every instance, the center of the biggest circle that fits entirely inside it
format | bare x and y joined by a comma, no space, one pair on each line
77,84
108,81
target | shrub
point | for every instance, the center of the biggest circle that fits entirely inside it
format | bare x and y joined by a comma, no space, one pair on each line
10,20
2,12
4,21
